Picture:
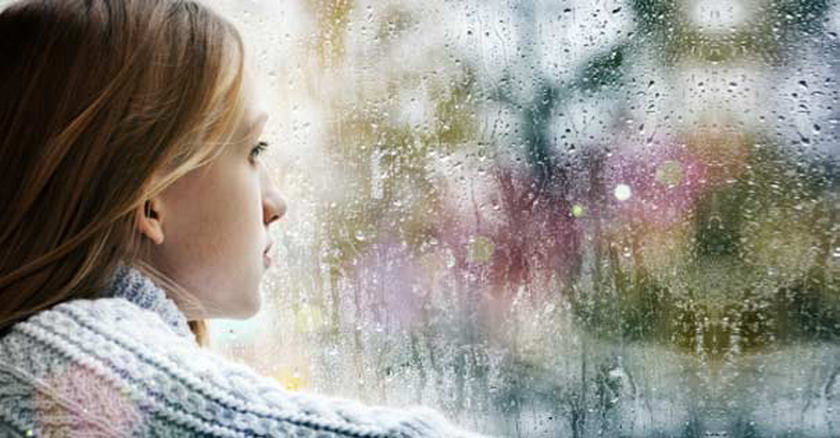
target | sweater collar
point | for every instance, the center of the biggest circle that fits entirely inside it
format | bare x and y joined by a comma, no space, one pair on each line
131,284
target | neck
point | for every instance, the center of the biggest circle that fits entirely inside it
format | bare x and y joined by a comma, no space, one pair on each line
138,288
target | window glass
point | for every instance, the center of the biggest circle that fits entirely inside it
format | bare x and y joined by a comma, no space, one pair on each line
557,218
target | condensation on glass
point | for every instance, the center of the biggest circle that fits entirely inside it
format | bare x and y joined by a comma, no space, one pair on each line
556,218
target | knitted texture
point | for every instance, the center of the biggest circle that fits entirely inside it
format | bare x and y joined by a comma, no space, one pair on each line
126,364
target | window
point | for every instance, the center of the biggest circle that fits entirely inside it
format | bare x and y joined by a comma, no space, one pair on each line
556,218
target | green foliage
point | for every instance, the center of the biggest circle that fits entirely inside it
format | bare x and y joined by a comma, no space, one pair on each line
761,269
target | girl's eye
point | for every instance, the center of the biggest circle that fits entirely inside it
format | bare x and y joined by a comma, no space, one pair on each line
258,149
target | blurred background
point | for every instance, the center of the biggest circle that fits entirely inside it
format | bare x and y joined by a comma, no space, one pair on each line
555,218
565,218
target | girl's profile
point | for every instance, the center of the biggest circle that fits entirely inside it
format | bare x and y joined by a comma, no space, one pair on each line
136,206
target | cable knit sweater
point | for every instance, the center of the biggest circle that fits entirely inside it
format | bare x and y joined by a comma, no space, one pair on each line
126,364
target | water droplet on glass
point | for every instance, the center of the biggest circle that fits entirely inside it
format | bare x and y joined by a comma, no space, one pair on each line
450,260
360,236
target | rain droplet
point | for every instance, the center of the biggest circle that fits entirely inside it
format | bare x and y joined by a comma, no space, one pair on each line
360,236
450,260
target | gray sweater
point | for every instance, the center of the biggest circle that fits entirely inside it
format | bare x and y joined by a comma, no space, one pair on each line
127,365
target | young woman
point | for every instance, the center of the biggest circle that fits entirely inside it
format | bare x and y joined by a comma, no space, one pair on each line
134,206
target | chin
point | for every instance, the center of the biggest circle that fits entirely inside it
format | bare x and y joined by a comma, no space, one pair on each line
251,309
246,308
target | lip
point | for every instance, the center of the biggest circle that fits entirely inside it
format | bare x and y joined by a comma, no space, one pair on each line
267,254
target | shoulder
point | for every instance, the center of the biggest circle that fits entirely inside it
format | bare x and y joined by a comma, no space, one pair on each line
116,367
105,330
80,366
81,329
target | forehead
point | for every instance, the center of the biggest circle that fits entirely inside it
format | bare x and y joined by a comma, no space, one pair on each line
255,124
256,108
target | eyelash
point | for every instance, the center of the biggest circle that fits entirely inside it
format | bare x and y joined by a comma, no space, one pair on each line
258,149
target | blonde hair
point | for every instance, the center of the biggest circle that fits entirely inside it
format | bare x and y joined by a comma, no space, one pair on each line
96,98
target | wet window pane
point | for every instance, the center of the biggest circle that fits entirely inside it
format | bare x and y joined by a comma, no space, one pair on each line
555,218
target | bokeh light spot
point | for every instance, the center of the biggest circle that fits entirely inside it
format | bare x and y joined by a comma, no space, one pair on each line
669,173
480,249
622,192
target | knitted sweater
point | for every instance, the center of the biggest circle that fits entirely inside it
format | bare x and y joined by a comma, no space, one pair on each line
126,364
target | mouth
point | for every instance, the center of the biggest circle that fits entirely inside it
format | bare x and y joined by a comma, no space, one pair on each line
267,254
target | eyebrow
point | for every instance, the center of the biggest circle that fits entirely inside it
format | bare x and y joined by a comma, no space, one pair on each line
261,119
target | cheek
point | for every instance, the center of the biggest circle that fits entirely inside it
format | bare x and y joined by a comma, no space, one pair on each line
215,237
228,216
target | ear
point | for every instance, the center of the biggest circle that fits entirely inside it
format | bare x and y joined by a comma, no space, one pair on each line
149,221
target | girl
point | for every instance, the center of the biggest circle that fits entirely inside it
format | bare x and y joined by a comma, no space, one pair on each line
135,206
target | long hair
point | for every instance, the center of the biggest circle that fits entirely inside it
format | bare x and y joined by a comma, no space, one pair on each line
96,97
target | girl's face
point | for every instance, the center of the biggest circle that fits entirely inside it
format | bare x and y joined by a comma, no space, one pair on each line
210,228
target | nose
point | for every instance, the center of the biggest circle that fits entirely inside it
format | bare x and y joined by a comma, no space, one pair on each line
274,206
